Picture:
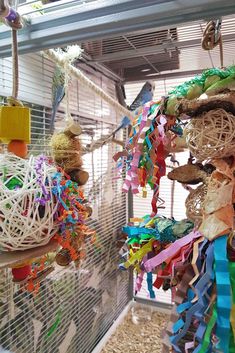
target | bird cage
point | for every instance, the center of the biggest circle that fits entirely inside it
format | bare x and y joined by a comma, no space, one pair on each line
124,44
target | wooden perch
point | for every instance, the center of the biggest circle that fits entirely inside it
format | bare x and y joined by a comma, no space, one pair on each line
14,258
196,107
100,143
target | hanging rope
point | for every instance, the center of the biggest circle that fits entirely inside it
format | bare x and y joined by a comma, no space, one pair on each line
15,65
73,71
212,37
13,100
68,118
12,19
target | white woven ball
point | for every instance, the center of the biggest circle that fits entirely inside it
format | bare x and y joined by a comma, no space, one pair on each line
24,222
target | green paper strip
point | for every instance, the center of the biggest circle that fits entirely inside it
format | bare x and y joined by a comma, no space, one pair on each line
207,337
55,325
231,343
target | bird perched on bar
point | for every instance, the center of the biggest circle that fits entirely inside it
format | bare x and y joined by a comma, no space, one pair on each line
58,93
48,1
145,95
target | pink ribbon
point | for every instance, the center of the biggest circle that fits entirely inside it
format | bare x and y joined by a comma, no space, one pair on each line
155,261
139,281
132,180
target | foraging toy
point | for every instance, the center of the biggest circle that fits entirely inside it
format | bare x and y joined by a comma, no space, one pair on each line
14,123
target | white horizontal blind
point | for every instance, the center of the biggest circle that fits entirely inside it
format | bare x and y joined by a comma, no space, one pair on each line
143,206
88,299
178,194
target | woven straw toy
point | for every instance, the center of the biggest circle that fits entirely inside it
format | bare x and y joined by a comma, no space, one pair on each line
211,136
218,211
66,150
194,203
26,202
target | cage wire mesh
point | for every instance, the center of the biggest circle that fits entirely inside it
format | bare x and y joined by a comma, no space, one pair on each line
74,308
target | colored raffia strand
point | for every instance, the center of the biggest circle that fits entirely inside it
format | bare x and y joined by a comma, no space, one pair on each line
194,203
71,214
211,136
181,293
26,202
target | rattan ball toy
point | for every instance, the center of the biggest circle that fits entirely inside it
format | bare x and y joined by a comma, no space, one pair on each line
211,135
27,205
194,203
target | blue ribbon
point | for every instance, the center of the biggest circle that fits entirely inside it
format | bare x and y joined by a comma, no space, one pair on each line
223,289
150,285
132,232
199,307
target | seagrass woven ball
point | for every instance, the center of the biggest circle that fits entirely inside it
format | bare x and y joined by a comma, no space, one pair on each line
211,135
194,203
27,205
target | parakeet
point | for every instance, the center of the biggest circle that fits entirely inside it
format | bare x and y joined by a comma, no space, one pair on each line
145,95
58,92
2,350
48,1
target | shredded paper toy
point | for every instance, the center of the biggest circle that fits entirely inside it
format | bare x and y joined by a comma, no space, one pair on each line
41,198
194,258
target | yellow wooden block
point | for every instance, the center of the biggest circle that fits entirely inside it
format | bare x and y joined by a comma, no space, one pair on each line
15,123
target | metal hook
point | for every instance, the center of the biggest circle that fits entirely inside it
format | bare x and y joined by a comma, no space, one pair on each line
218,24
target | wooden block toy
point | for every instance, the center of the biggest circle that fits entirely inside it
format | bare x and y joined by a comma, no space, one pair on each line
15,123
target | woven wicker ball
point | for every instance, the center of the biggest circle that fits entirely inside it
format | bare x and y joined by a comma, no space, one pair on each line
27,206
212,135
194,203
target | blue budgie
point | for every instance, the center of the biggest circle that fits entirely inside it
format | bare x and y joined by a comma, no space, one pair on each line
2,350
145,95
58,93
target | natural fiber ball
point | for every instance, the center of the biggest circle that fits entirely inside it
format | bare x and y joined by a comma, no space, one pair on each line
27,205
194,203
212,135
66,151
